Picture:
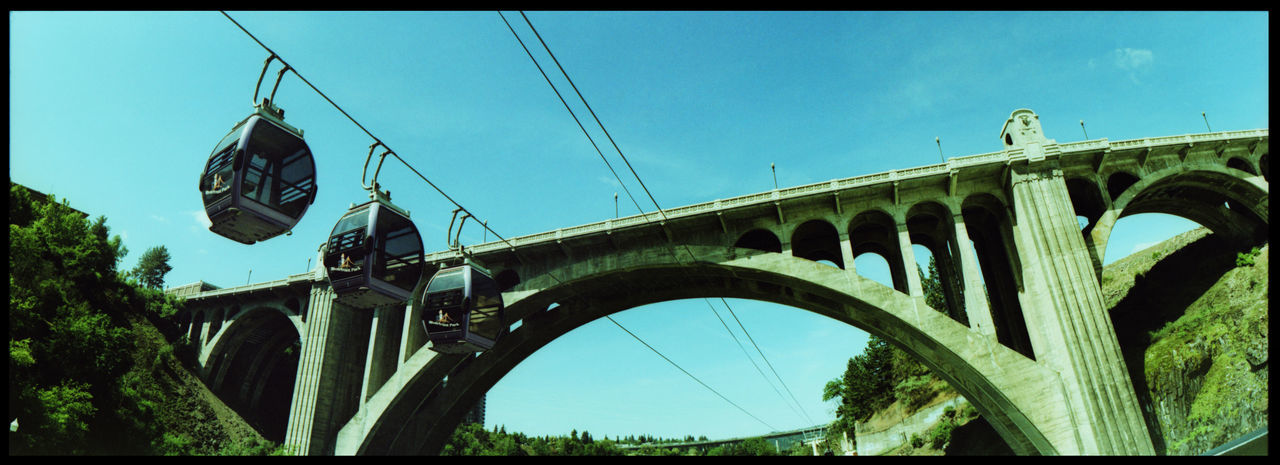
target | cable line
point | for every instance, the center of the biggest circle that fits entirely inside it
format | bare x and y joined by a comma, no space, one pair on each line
446,196
744,352
637,176
484,224
566,107
695,378
593,113
766,359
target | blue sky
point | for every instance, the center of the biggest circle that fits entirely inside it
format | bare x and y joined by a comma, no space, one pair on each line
117,112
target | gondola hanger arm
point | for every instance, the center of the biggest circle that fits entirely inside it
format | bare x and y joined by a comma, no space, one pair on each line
373,185
258,86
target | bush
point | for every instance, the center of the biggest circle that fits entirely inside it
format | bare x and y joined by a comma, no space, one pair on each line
1246,258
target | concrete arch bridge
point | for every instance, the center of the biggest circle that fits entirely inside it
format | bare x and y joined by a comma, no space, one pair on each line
1018,235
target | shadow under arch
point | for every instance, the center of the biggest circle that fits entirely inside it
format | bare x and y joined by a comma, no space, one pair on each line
252,364
426,409
1200,194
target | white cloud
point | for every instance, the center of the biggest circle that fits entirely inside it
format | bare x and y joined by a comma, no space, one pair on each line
1132,59
159,218
201,220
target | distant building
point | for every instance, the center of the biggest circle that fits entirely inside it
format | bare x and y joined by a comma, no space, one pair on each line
190,289
476,414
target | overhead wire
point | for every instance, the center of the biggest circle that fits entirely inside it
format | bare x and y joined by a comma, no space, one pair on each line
462,208
640,181
287,67
390,151
575,117
628,191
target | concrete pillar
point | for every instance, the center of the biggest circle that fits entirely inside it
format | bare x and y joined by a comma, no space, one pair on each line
975,299
1064,308
384,344
846,251
205,323
413,336
326,391
908,256
942,257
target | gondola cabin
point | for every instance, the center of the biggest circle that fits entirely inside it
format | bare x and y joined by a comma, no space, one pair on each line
462,310
374,256
260,179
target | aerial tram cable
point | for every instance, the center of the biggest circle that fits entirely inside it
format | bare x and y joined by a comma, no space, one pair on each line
766,360
593,112
744,352
575,117
633,172
695,378
628,191
391,152
357,123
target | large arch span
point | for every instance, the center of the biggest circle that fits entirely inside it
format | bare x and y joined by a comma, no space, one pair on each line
1227,201
424,411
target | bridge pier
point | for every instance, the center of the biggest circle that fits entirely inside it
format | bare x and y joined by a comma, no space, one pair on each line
1067,321
330,376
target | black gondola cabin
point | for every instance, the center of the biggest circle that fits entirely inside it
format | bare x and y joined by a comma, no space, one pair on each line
462,310
260,179
374,256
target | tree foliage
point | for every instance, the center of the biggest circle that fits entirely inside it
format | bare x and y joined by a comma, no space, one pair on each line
152,266
70,347
473,440
883,374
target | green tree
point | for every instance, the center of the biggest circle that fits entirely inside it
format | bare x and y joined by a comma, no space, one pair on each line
70,345
882,374
152,266
65,342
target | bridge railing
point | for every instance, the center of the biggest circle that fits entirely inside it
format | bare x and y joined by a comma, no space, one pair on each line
835,185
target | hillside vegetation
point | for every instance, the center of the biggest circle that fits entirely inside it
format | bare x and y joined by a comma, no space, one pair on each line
1190,314
92,364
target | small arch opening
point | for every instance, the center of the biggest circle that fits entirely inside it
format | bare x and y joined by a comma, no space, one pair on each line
760,239
1118,182
1237,163
507,279
817,240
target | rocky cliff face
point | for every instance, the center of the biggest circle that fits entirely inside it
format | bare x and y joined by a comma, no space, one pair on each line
1193,325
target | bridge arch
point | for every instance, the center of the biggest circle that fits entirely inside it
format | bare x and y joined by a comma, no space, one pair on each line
1216,197
989,221
817,240
1118,182
426,409
874,231
760,239
252,363
932,226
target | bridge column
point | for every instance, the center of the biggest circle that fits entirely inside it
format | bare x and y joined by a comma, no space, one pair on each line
384,344
1063,307
326,392
914,287
975,299
846,251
